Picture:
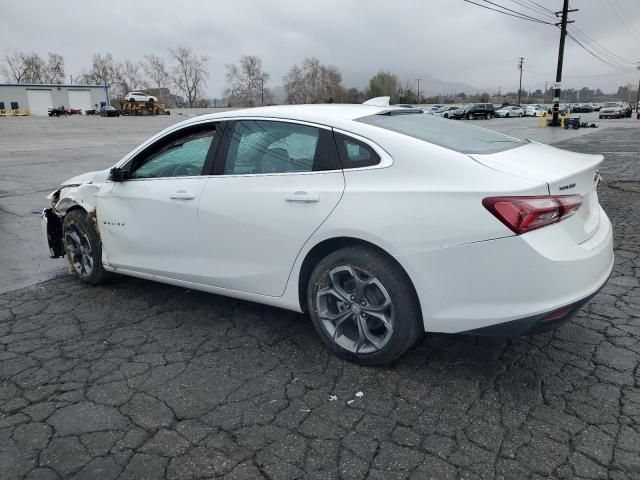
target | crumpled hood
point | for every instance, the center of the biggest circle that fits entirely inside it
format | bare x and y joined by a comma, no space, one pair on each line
96,178
99,176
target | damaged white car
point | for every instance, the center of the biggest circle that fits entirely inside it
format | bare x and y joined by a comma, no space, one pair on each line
382,223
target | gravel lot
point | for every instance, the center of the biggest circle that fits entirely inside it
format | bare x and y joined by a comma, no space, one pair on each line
140,380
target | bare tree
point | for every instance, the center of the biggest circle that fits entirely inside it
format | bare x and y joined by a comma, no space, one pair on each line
54,69
20,67
157,74
128,76
245,83
313,83
189,73
103,71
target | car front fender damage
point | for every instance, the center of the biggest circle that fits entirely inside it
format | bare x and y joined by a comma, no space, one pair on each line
64,199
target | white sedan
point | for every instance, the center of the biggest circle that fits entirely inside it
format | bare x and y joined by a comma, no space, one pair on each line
381,223
512,111
533,111
140,97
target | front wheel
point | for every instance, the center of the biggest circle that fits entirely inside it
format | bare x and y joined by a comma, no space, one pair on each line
83,247
363,306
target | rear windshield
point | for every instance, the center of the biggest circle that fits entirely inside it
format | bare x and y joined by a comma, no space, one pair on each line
445,133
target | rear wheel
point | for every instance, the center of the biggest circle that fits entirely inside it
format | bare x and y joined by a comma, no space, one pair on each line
363,306
83,247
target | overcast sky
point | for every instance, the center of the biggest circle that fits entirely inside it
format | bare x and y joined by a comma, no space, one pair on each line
447,39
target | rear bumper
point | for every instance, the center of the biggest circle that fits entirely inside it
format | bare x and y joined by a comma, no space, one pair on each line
541,323
513,279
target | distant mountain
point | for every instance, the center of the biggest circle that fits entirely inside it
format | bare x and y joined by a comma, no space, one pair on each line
429,85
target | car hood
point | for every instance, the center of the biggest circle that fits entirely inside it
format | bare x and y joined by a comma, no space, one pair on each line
97,178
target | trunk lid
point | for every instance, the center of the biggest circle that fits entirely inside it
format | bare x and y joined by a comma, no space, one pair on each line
565,173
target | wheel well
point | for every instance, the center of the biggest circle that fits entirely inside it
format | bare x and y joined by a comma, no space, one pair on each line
323,249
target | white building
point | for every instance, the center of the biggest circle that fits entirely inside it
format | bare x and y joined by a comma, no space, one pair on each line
38,99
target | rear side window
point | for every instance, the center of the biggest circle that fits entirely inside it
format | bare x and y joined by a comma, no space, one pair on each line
452,135
354,153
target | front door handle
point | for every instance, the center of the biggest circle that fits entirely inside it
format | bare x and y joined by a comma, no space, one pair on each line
303,197
182,195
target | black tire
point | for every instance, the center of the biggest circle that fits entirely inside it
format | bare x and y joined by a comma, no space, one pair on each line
405,316
83,247
132,100
151,100
506,115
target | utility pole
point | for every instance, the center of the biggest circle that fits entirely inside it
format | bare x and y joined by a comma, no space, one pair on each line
563,33
520,64
262,91
418,80
638,97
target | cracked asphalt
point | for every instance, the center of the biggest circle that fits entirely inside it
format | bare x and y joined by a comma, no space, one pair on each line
135,379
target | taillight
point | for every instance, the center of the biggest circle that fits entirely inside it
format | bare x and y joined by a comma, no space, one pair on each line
523,214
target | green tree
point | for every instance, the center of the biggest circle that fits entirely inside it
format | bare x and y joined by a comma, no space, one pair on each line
383,84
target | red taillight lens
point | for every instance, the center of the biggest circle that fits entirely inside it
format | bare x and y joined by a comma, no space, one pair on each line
523,214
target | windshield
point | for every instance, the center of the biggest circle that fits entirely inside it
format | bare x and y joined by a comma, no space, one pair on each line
453,135
610,104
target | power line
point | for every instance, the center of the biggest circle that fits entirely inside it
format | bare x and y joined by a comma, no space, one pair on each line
533,8
623,20
542,7
506,13
603,60
515,11
601,48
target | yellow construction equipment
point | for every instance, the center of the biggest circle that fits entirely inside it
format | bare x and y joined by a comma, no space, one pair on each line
142,108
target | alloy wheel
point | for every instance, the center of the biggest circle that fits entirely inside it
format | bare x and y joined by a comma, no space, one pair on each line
355,309
79,250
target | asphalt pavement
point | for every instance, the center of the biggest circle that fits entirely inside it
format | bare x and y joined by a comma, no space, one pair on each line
136,379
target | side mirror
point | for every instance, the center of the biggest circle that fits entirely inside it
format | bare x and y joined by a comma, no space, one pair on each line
118,174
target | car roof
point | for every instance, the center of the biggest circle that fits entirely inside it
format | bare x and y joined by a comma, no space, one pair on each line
317,113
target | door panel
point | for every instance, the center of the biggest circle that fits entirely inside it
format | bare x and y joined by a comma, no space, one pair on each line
149,221
253,226
151,226
276,183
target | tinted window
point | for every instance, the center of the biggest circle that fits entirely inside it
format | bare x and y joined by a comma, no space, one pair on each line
183,157
453,135
263,146
354,153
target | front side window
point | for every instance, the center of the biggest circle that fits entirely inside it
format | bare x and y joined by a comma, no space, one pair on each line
265,146
182,157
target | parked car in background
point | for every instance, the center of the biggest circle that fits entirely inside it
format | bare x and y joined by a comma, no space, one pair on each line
291,206
74,111
510,111
431,108
140,97
582,108
471,111
58,111
533,111
612,110
447,111
109,111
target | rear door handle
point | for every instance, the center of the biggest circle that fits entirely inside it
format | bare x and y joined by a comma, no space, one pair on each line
303,197
182,195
